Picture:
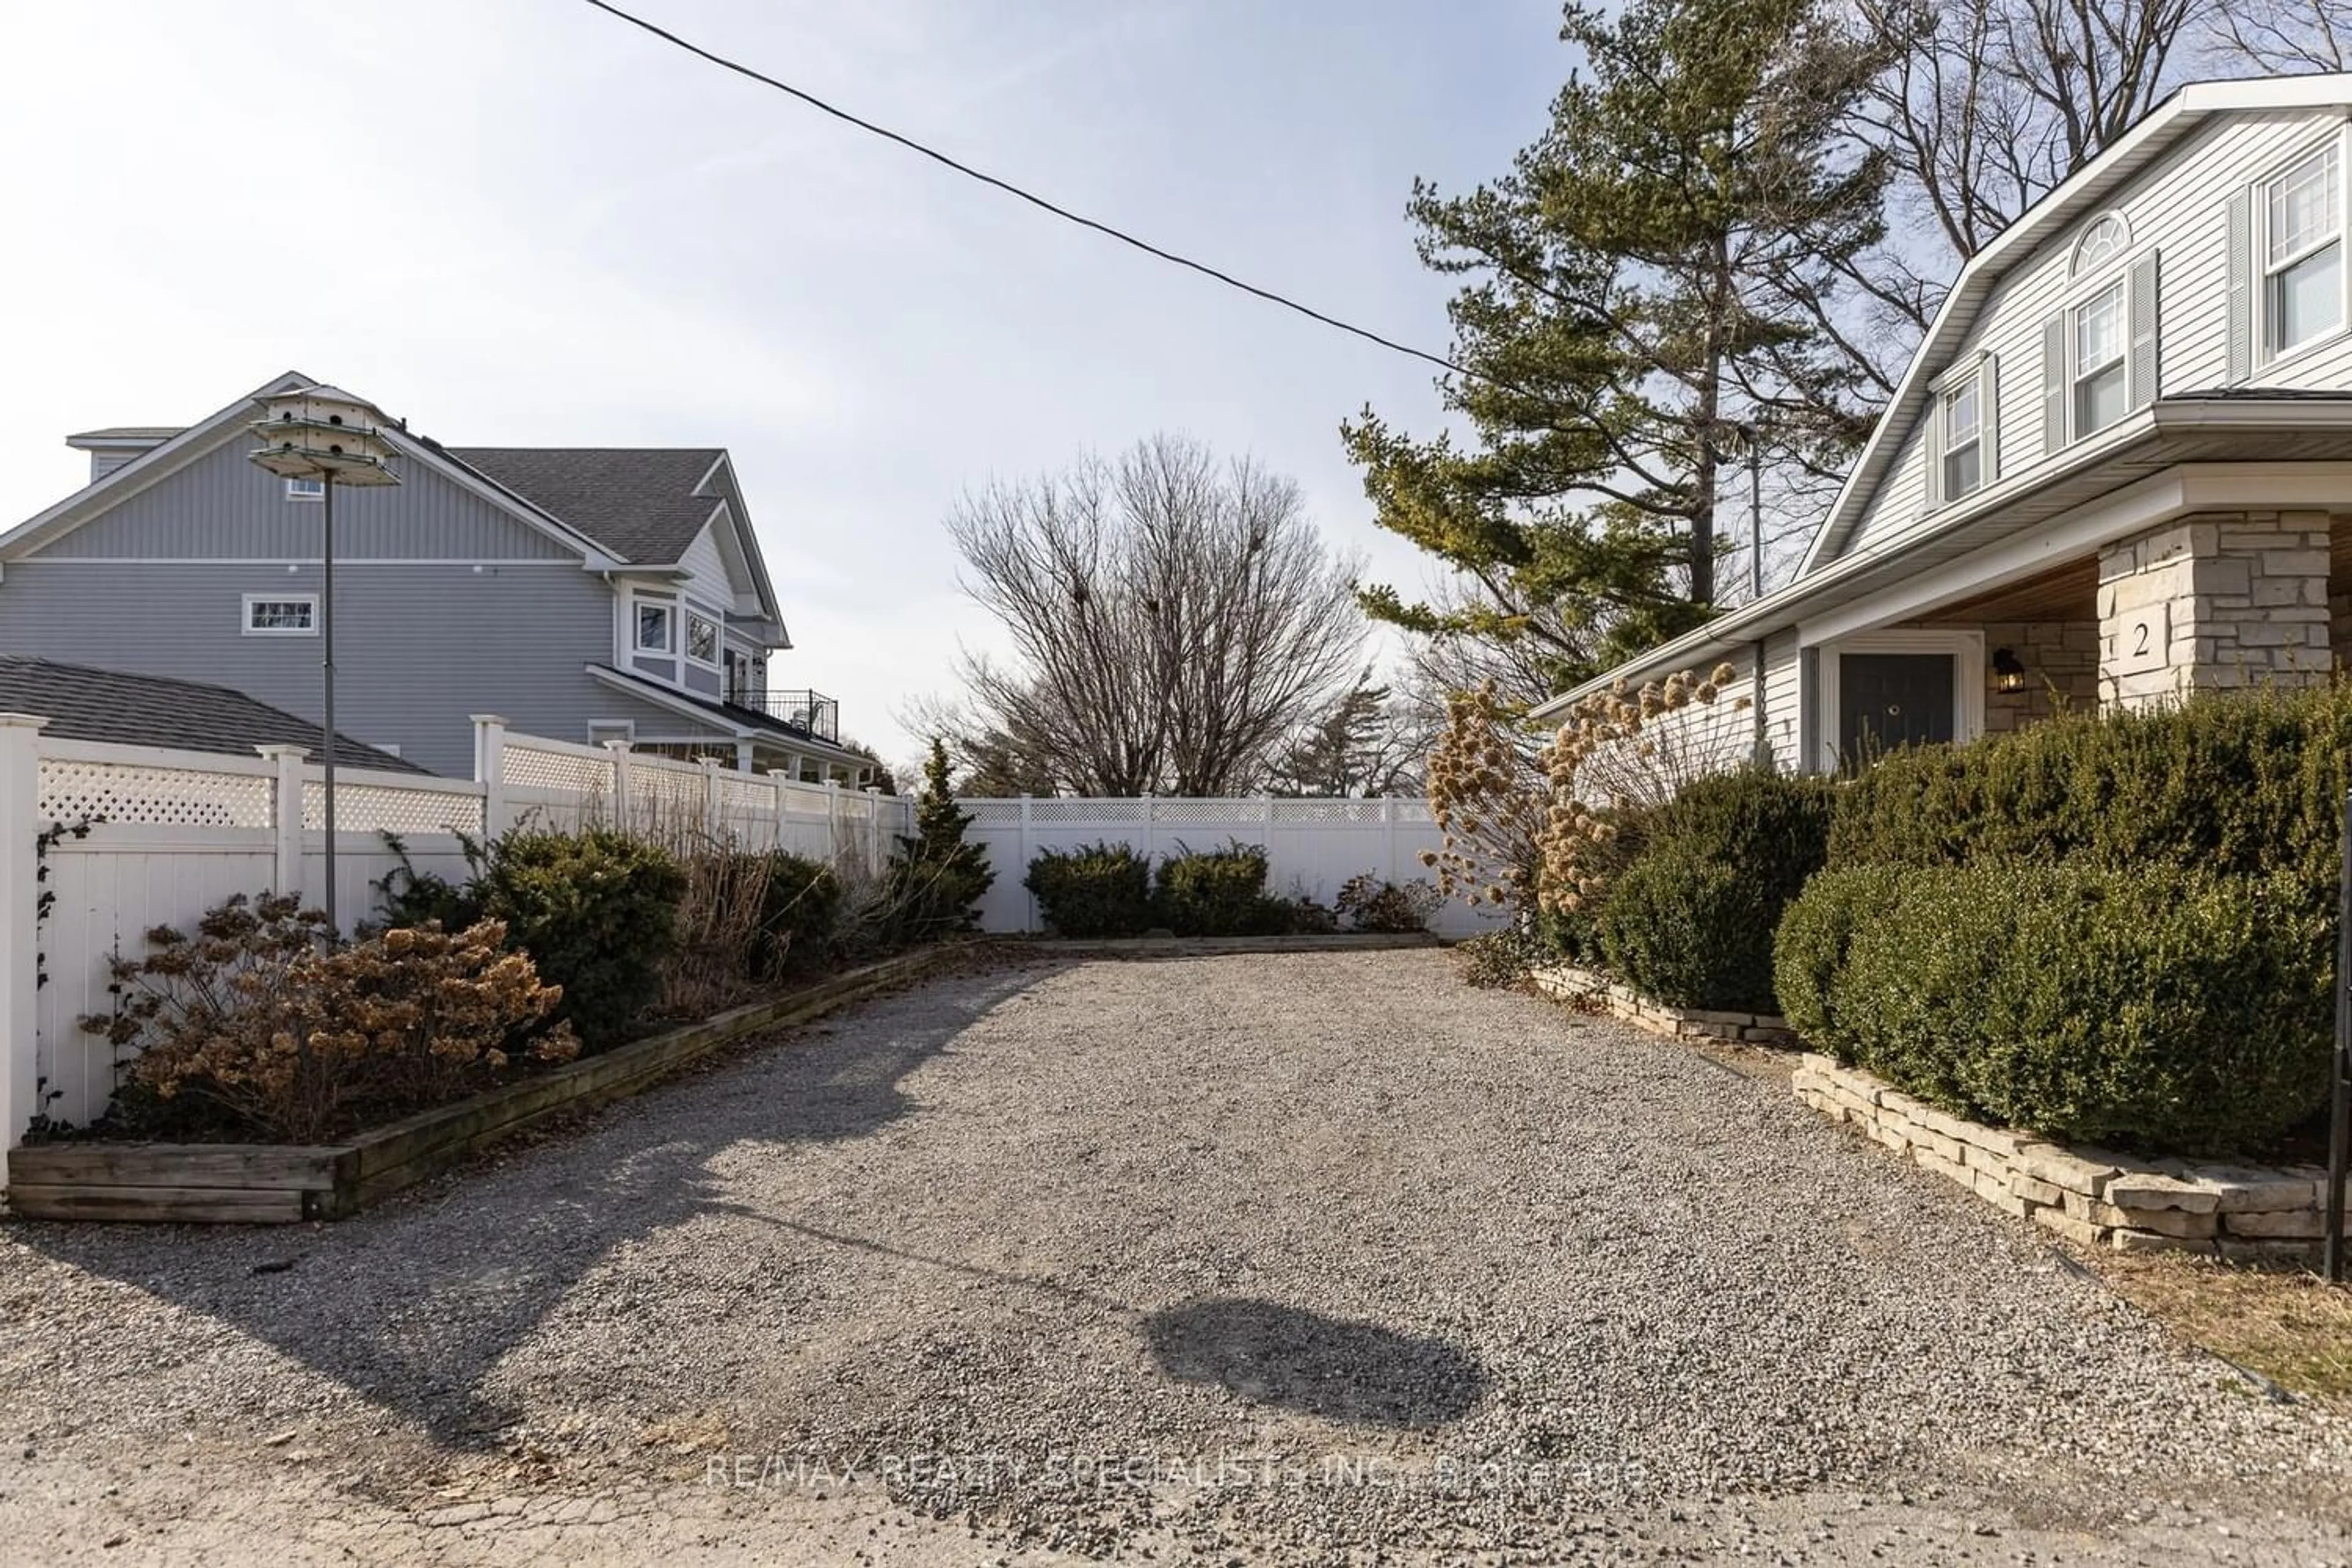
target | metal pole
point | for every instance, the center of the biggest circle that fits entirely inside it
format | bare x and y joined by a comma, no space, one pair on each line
327,636
2339,1118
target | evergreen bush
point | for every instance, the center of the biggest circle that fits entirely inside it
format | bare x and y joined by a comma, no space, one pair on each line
1690,920
937,878
1218,892
2250,784
2152,1006
596,910
1097,891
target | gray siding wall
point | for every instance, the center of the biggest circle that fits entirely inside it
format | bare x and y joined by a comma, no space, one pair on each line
1782,695
2178,208
708,581
418,648
222,507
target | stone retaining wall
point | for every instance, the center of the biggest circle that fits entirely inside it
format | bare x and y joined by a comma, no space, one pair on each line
2090,1195
1569,984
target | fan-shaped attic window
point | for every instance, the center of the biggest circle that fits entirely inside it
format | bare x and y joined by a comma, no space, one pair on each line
2101,243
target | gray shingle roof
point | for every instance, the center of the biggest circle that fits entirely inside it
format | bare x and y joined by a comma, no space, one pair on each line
636,501
116,707
128,433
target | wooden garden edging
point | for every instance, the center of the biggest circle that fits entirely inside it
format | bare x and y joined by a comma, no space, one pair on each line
276,1183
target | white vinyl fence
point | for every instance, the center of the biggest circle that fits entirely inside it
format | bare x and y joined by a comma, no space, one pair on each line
170,835
101,844
1312,847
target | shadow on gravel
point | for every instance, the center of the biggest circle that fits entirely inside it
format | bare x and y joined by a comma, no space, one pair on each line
412,1305
1325,1366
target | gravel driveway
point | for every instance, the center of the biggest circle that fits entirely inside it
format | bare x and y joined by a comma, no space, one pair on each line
1313,1258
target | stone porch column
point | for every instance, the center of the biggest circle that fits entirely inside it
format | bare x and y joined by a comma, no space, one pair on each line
2214,604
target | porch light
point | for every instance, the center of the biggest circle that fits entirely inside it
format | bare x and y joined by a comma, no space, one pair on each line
324,434
2008,671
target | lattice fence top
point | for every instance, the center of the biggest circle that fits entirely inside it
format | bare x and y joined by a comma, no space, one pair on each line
135,793
1176,811
666,796
390,809
536,768
738,794
1333,810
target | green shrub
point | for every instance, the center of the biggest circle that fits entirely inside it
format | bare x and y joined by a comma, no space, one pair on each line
1690,920
1671,930
597,912
1218,892
2249,785
1101,889
798,910
1810,947
2151,1006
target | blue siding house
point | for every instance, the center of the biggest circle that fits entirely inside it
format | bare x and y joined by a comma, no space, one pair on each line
586,594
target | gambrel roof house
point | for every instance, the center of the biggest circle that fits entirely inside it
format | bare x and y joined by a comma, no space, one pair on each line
586,594
2118,469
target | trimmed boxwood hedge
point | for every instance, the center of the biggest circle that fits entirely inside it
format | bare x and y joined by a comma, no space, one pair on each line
2151,1006
2250,784
1690,920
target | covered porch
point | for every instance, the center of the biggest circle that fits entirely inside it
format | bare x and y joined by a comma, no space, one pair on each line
2208,600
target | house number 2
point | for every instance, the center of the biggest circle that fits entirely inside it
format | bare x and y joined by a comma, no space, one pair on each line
2143,642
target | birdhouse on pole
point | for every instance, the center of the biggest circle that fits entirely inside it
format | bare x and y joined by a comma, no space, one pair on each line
323,433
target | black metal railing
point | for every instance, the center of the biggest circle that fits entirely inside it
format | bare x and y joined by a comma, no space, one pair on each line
811,714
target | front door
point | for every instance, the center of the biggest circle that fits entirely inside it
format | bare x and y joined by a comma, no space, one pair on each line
1891,699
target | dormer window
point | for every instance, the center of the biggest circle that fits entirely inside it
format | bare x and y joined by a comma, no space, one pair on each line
2099,351
1962,458
1963,445
656,626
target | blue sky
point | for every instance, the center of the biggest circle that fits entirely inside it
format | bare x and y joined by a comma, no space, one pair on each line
528,223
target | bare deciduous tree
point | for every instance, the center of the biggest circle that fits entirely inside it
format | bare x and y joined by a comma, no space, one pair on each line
2286,37
1983,106
1174,620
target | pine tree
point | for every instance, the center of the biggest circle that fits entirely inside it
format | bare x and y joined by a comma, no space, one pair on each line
1652,289
940,877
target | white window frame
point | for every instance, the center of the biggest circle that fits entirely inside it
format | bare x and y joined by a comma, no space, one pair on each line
2264,271
718,624
246,609
640,603
1977,370
599,730
2077,373
1967,646
293,491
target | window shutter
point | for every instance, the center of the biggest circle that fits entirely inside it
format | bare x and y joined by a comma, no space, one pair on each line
2242,286
1931,447
1989,421
2053,384
2141,299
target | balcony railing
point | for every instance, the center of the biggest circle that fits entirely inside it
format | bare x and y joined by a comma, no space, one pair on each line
811,713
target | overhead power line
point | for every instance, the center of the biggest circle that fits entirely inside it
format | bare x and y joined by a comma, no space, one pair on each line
935,155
